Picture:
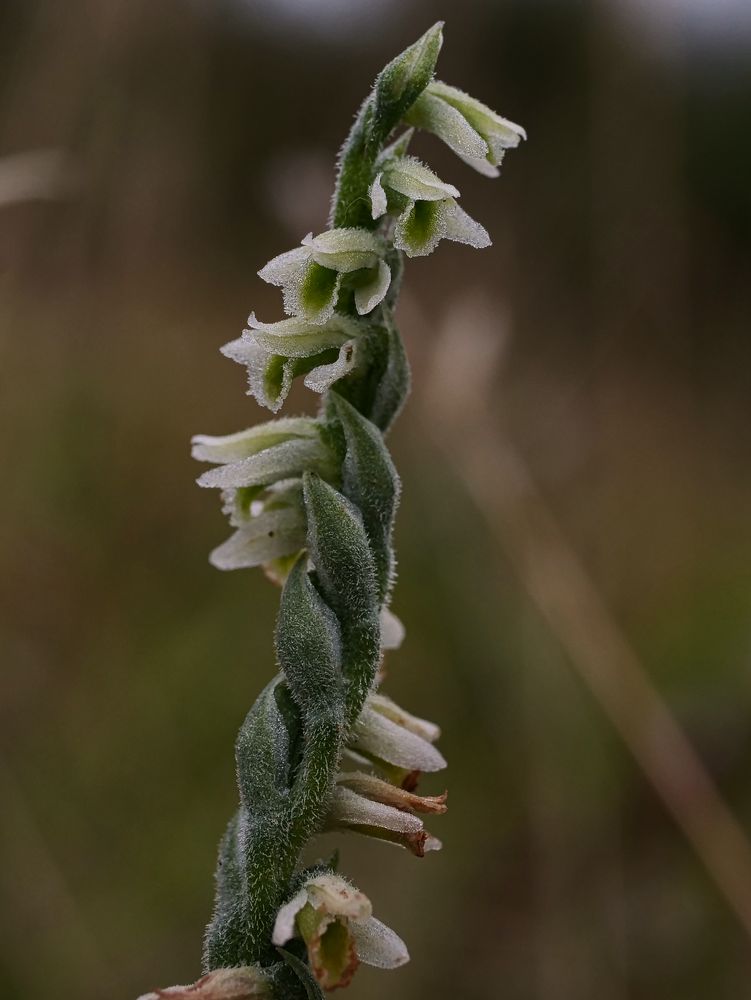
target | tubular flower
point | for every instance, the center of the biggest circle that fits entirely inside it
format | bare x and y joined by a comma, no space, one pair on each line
277,353
336,923
310,276
469,127
259,477
426,207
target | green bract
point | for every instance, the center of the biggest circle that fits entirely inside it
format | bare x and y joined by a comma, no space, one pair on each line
313,500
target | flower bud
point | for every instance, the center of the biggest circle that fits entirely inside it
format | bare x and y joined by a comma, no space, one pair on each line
406,76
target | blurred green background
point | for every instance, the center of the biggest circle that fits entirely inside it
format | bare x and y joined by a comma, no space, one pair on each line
152,157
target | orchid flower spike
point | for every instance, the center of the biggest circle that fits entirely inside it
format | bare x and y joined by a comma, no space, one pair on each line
311,275
312,500
336,923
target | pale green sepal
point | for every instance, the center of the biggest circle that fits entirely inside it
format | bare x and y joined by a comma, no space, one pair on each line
472,129
281,461
415,181
298,338
267,536
432,114
344,250
375,734
243,444
499,133
378,200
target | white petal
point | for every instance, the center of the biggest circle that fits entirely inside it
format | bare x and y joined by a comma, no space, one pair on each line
482,165
334,896
349,808
416,181
271,535
298,326
434,115
378,945
421,727
321,379
392,630
284,927
298,337
243,350
375,734
378,200
369,295
499,132
233,447
344,250
462,228
282,461
286,267
315,339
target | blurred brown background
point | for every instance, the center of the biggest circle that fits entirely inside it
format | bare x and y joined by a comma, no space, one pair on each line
152,157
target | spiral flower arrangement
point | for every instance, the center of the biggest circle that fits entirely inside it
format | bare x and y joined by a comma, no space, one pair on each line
312,501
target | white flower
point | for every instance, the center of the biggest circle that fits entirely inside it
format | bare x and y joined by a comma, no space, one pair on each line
335,920
297,337
286,459
426,206
386,734
474,131
268,530
243,444
275,353
241,983
410,178
311,275
423,224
